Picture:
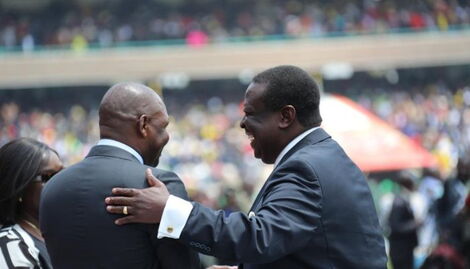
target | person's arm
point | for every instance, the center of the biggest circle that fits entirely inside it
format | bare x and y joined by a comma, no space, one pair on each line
143,205
171,253
289,215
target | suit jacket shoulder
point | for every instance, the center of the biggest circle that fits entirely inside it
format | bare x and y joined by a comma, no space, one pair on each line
314,211
80,233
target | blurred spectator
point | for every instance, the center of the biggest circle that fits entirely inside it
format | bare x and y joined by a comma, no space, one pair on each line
403,224
452,202
431,189
453,219
196,38
465,230
444,257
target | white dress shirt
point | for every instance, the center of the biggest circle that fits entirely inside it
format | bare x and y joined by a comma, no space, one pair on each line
177,210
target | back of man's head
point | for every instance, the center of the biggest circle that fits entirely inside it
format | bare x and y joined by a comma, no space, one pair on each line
290,85
125,113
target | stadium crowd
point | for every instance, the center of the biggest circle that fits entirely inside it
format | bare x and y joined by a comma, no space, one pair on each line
437,117
109,23
211,154
207,145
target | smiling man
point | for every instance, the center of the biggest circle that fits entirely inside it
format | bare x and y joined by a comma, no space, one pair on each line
314,211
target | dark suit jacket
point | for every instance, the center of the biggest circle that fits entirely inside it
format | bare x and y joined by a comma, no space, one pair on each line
79,232
314,211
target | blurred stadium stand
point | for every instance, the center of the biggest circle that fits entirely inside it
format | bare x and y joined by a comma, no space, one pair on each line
232,60
59,43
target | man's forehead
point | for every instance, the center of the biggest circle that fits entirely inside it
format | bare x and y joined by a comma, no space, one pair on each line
255,90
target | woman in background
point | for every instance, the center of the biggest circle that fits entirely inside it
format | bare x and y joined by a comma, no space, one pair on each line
25,166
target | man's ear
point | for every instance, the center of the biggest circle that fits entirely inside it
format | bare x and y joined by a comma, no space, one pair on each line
143,125
288,115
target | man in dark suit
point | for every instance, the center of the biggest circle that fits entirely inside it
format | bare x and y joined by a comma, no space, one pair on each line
315,210
78,231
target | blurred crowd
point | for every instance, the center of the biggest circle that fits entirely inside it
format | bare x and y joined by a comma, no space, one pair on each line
211,154
436,117
80,24
207,149
207,144
426,213
426,217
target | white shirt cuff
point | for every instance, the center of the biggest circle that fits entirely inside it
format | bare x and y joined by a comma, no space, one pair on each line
174,217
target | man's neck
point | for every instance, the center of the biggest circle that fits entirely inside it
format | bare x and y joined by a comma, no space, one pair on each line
121,145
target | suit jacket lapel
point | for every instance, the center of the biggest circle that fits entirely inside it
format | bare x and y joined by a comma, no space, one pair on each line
316,136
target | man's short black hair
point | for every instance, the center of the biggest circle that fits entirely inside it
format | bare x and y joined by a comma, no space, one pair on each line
290,85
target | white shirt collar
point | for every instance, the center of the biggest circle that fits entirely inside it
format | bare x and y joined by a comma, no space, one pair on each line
293,143
117,144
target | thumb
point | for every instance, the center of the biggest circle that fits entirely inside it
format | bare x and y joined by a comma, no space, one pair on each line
151,179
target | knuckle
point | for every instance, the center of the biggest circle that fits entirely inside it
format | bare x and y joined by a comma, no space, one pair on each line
133,201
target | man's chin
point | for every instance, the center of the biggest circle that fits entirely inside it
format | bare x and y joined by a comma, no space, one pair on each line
155,162
265,159
260,156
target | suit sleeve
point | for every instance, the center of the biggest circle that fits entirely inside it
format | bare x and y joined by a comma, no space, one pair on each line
172,182
288,216
173,254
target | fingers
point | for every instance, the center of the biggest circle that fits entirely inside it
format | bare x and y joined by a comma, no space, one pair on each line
126,220
125,191
118,209
151,179
119,200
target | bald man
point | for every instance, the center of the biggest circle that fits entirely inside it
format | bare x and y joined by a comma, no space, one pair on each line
79,233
